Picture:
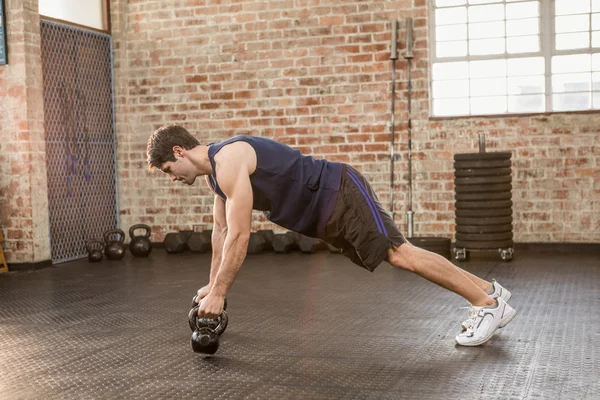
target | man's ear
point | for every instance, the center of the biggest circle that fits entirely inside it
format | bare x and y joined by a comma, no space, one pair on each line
178,151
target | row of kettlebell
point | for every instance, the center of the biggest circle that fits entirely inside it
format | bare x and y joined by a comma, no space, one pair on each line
114,249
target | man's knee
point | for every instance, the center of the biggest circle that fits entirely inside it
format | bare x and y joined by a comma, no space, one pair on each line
403,256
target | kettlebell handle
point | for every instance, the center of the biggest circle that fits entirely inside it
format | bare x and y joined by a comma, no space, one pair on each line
139,226
88,245
115,232
193,319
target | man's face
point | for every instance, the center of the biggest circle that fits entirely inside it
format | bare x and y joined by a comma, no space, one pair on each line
180,170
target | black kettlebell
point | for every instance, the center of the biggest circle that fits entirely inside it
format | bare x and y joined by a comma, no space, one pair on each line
94,248
207,331
115,249
195,302
140,246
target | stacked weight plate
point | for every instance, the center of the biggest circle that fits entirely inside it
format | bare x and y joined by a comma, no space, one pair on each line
438,245
483,204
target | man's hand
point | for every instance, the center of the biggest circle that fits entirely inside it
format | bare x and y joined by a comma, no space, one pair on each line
202,293
211,306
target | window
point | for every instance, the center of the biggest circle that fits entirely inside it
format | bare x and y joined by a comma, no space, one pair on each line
514,56
87,13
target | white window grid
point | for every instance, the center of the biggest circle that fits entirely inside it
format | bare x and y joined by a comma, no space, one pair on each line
547,34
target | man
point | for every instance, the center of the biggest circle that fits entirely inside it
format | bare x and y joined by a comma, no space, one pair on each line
327,200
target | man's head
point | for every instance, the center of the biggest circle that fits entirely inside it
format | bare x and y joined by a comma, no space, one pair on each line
168,150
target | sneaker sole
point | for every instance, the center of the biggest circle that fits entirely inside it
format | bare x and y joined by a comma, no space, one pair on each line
506,299
507,319
503,322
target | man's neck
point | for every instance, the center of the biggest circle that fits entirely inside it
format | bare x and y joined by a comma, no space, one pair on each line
199,157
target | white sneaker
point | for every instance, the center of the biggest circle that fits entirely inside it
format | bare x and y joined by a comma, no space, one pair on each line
485,322
499,291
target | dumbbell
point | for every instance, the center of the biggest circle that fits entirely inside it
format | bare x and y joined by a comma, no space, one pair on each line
285,242
174,242
310,245
206,331
186,234
267,234
200,242
256,243
260,241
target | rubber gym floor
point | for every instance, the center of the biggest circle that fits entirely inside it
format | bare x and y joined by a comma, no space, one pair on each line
300,327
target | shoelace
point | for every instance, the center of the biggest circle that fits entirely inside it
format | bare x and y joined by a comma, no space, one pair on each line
473,316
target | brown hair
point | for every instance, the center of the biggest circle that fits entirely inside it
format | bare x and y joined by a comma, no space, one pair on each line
160,144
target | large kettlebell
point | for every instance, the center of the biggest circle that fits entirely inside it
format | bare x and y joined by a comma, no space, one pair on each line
207,331
140,246
195,302
94,248
115,249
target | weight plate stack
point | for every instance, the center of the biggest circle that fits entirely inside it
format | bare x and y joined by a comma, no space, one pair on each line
483,185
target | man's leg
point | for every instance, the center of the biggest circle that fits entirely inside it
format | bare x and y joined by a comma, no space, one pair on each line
442,272
363,228
483,284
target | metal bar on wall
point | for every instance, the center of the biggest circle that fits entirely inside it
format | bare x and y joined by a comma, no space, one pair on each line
3,40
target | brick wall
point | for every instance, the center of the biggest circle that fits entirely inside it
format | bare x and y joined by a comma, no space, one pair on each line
23,186
316,74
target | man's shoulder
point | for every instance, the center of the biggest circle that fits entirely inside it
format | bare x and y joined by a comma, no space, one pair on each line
235,155
238,150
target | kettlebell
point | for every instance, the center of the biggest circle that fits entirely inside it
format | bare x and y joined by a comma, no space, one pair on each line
207,331
140,246
195,302
115,249
94,248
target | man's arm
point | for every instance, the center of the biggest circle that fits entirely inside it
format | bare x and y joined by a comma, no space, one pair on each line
218,237
234,181
218,240
218,234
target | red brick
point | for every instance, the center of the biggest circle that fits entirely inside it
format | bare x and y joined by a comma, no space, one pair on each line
296,131
351,148
196,78
331,20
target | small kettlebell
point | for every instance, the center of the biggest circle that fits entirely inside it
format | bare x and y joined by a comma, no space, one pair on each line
140,245
115,249
195,302
205,338
94,248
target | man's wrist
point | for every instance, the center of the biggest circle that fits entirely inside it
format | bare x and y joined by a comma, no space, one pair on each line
218,290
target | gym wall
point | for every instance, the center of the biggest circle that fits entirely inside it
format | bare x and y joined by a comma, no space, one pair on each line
23,182
316,75
313,74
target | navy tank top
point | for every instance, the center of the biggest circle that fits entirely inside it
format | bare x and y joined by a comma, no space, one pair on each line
294,191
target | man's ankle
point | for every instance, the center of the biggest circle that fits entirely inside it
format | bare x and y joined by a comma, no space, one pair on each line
487,302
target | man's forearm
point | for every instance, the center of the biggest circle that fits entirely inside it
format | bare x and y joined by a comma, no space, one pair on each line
234,253
218,242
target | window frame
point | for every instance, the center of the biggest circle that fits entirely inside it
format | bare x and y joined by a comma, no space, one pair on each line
547,29
105,18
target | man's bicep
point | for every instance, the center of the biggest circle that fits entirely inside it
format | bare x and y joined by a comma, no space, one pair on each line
236,186
239,214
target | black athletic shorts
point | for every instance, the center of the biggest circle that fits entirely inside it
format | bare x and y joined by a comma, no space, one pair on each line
359,225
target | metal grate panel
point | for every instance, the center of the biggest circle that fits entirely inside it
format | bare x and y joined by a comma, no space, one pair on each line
80,138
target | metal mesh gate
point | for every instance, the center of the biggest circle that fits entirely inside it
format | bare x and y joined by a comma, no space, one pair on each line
80,139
